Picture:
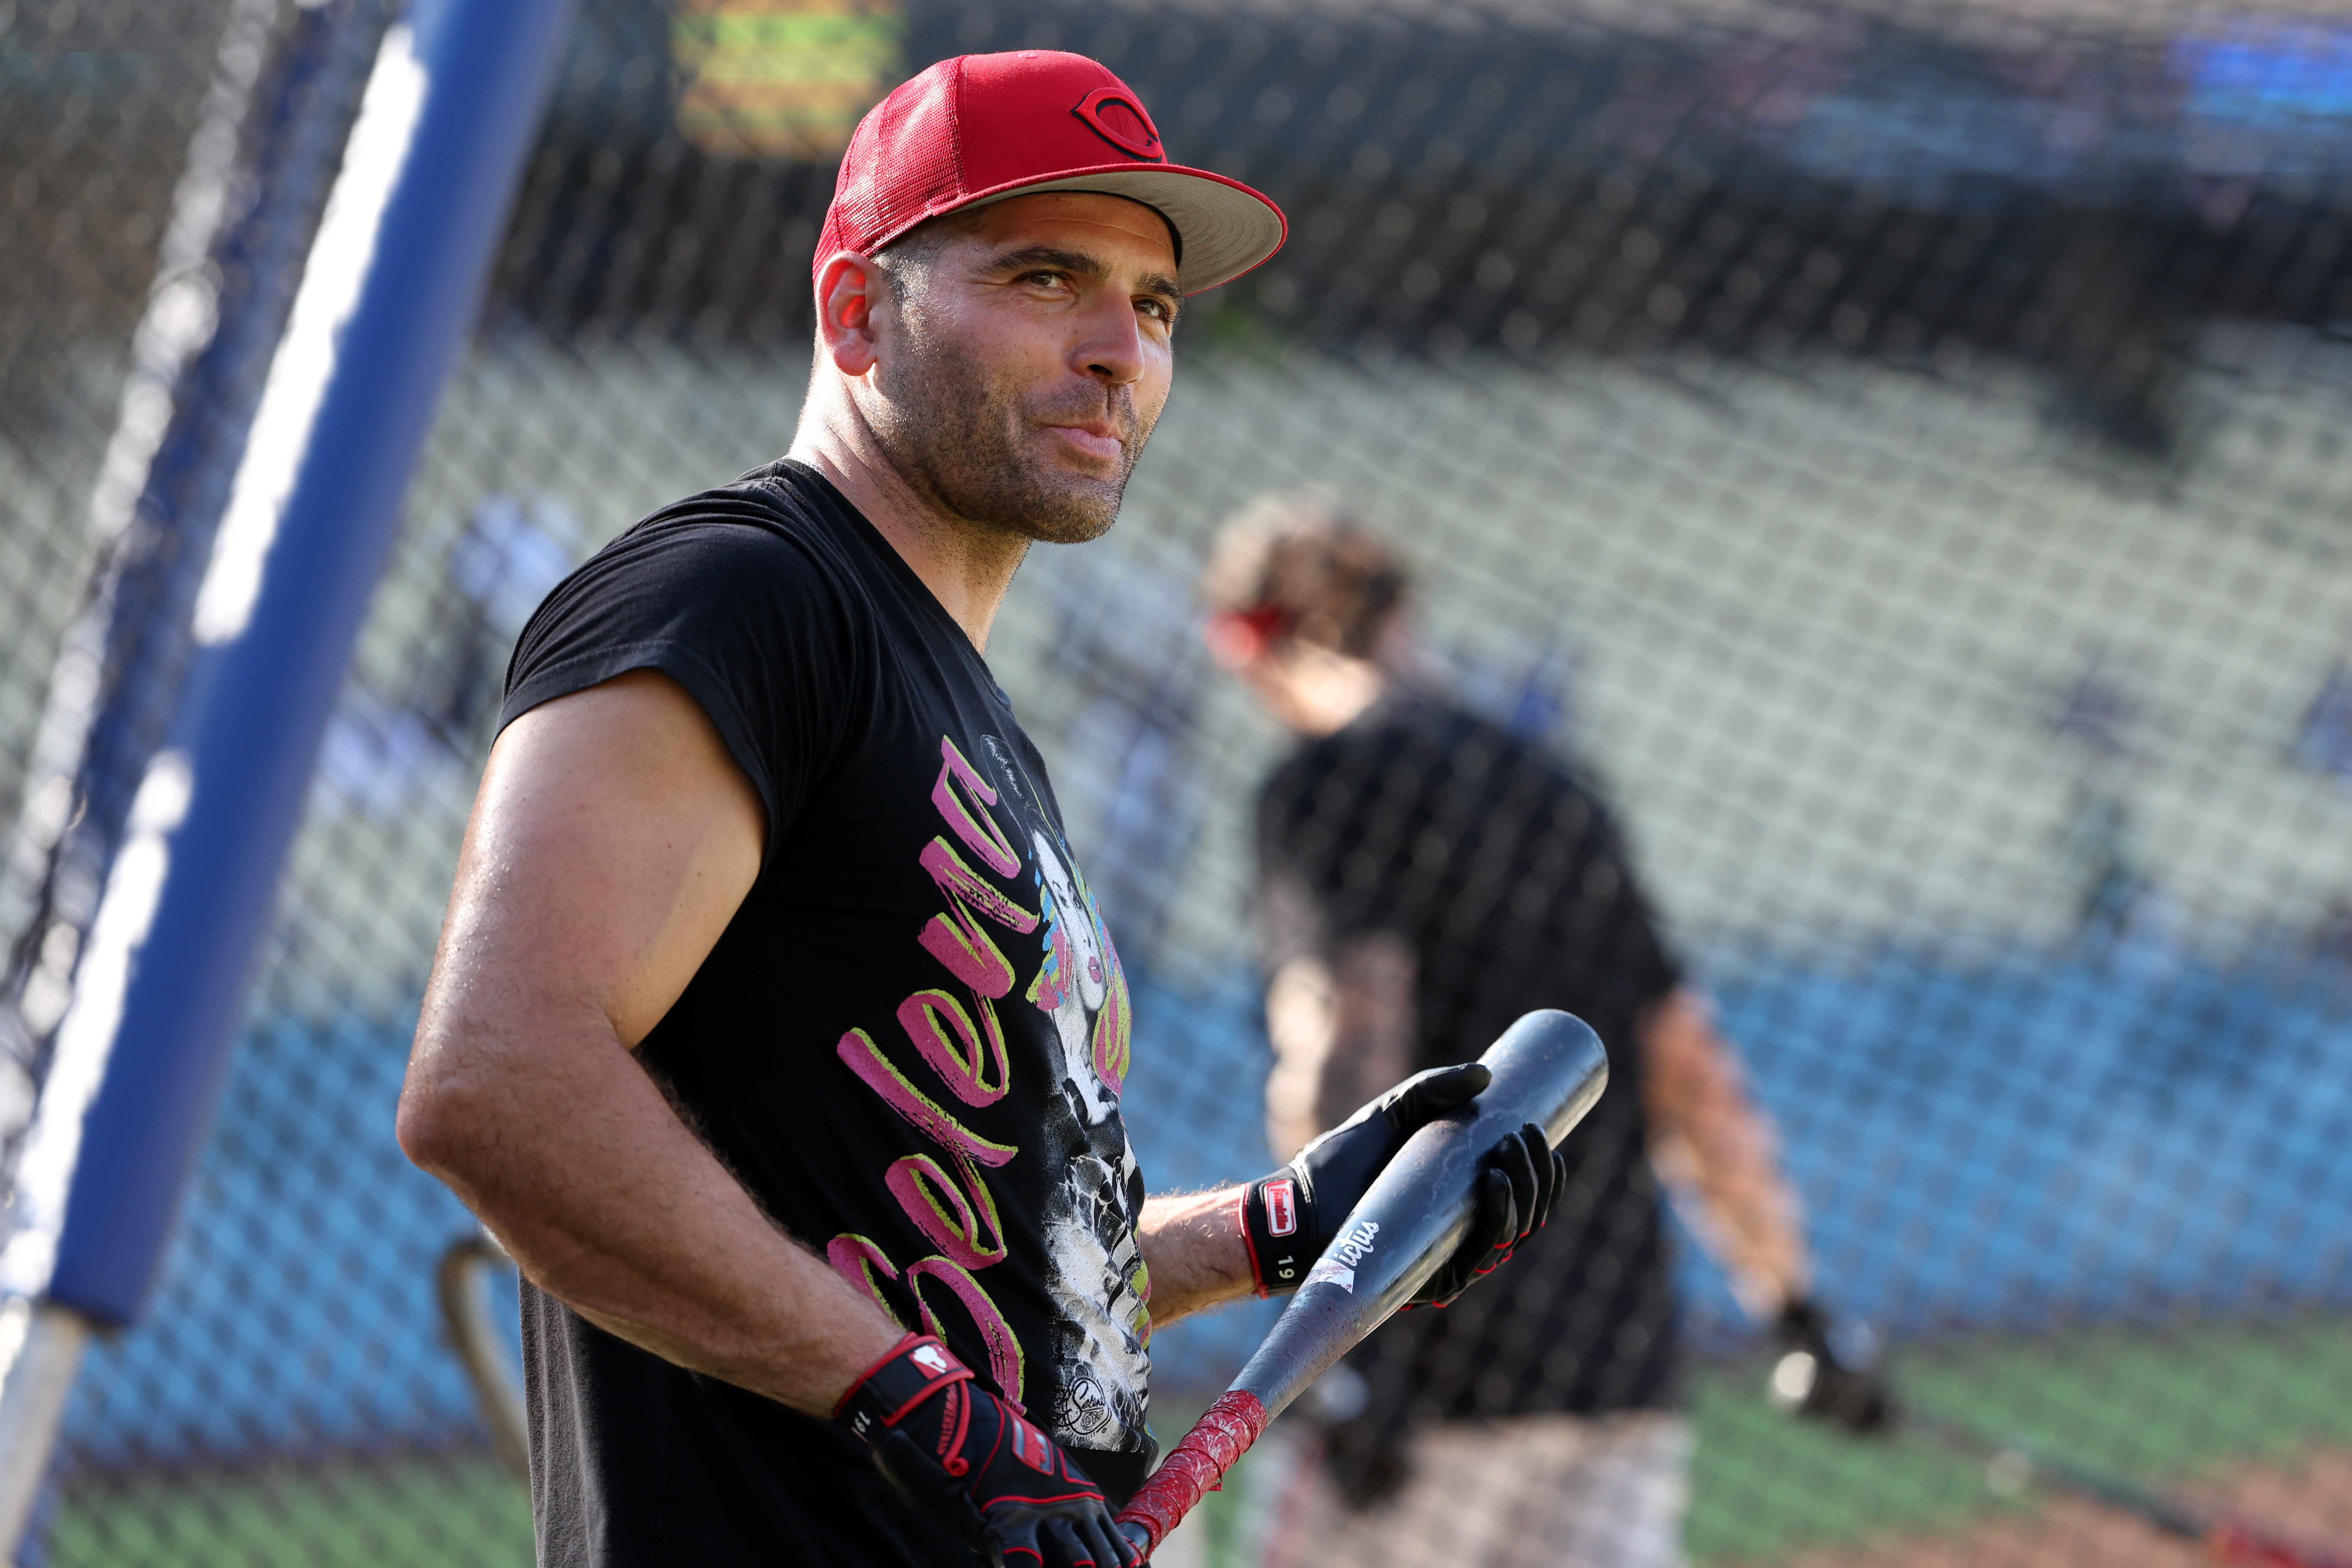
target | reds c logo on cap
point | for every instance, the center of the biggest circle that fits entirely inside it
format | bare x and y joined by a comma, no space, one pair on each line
1116,117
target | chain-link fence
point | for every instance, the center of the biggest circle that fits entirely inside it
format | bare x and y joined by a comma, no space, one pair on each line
1895,452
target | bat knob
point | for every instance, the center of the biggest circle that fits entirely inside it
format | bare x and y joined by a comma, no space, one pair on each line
1137,1537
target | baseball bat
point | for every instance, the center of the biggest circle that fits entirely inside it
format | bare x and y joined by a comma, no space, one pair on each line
2222,1539
1549,1069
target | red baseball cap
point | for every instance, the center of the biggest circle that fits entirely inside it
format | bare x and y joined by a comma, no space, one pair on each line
980,128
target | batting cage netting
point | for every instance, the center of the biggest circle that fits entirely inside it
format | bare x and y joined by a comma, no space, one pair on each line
1888,461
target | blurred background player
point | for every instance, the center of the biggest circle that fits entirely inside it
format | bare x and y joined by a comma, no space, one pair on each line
1426,876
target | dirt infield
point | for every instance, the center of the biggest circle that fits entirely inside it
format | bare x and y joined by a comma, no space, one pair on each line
2309,1502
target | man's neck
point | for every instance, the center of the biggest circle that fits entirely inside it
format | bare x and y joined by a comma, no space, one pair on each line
968,566
1317,691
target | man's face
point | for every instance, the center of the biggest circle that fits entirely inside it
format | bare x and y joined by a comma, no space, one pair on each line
1023,369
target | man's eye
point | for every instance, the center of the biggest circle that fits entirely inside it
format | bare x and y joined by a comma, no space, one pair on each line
1049,278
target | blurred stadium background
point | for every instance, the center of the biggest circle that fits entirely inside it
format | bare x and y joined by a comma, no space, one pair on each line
1902,449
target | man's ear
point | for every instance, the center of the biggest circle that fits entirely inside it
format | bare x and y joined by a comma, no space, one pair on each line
848,287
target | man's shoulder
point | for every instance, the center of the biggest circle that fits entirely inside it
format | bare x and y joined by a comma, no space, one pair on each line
1420,732
760,545
772,521
1417,747
743,571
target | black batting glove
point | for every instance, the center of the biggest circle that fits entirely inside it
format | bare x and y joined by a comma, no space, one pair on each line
1290,1216
1517,1187
965,1459
1817,1378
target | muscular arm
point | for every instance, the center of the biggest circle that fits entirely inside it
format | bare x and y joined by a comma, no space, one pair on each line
612,840
1710,1141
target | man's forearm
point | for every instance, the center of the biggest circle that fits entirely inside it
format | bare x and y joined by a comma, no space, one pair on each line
1194,1250
572,1157
1341,1032
1710,1139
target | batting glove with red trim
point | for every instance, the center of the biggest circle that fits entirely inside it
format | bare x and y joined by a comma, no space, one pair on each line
966,1460
1289,1217
1518,1184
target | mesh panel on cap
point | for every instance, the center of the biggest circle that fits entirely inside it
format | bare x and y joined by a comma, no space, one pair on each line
920,127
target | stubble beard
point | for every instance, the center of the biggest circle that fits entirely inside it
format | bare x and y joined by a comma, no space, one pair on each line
956,435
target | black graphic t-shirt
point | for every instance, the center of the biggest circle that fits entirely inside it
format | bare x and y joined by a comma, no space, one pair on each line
908,1045
1505,876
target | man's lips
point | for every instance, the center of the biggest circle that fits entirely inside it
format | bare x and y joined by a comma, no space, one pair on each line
1097,439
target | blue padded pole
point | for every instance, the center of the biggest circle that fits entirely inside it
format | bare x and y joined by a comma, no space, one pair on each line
388,293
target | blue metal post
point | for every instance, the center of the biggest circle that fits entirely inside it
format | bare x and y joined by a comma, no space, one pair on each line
388,293
285,90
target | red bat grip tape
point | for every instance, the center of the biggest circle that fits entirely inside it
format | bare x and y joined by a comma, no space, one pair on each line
2236,1543
1191,1472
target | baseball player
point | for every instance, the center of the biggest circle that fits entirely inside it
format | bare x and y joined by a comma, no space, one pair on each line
773,1029
1425,876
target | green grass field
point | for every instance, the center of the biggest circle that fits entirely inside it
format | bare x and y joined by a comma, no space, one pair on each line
455,1512
2152,1407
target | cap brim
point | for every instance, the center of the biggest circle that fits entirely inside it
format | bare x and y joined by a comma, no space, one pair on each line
1227,228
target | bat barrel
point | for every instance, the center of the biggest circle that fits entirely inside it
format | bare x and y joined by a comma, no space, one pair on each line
1549,1069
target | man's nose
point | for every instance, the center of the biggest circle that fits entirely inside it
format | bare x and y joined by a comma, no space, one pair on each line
1111,349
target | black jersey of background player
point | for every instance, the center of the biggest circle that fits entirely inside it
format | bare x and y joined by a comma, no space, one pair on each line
1508,881
907,1043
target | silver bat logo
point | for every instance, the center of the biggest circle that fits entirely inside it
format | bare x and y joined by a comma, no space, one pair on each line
1337,1267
